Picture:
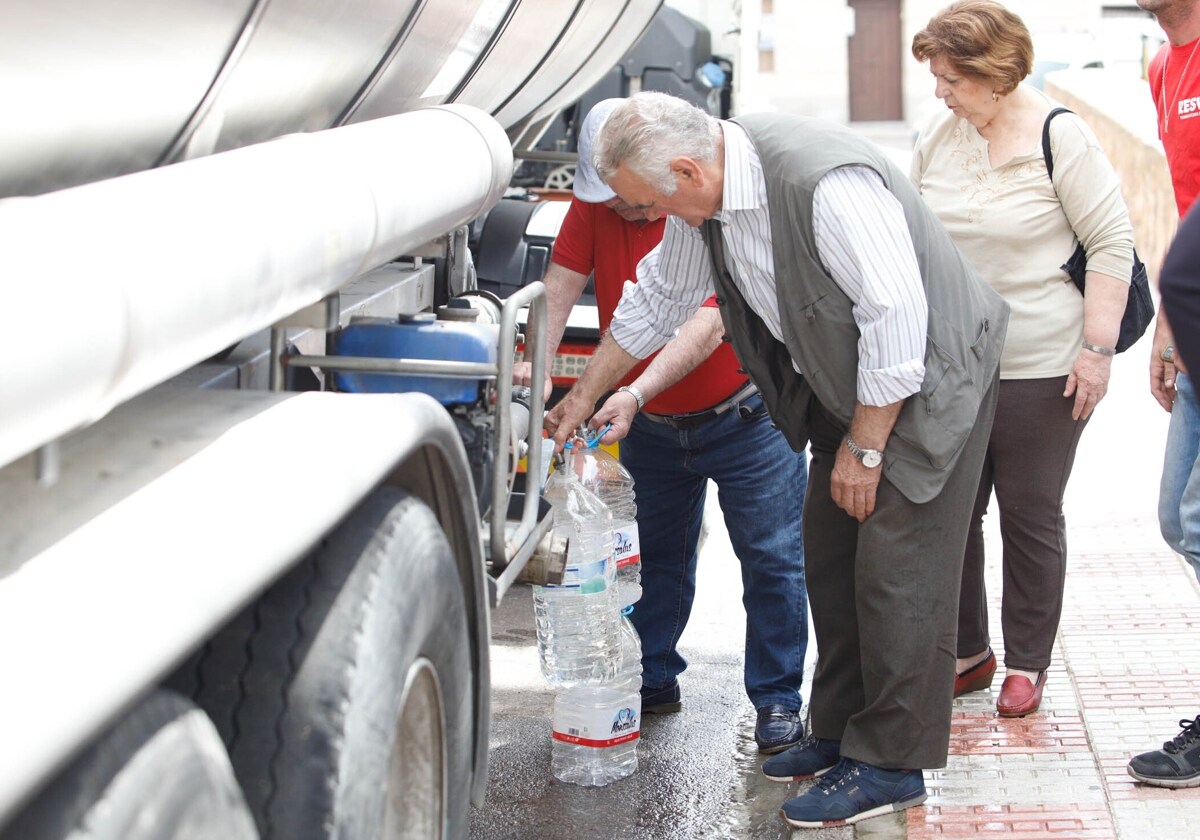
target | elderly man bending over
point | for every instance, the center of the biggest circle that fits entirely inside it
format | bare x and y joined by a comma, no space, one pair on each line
872,340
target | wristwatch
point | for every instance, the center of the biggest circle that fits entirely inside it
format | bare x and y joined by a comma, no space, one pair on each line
635,392
869,458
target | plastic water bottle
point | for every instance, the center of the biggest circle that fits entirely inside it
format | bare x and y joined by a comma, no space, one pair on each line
629,668
607,477
578,633
597,728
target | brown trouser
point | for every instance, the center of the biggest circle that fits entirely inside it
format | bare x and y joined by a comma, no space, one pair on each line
1028,462
884,601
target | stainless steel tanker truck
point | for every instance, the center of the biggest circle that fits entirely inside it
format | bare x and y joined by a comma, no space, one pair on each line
257,491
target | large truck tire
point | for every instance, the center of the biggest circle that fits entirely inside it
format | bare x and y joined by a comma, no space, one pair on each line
161,773
344,694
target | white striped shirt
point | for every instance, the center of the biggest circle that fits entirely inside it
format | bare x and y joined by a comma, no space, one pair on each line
862,240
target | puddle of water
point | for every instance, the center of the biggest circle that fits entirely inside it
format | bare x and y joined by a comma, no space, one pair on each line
754,800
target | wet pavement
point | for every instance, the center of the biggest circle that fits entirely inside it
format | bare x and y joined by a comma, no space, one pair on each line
1126,669
698,770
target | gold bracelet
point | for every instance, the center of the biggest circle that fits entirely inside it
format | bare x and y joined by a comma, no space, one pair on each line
1096,348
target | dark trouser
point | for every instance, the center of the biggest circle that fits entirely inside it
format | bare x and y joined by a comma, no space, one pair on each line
1029,460
884,599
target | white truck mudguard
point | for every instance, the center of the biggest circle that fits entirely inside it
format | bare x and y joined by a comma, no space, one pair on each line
169,515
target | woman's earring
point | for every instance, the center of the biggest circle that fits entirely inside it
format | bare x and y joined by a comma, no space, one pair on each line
995,96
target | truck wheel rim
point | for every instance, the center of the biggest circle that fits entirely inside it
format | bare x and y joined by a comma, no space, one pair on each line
417,786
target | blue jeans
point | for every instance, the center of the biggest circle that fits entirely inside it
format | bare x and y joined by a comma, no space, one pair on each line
1179,492
761,484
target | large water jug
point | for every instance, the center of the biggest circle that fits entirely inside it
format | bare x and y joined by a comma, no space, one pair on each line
596,728
608,478
578,632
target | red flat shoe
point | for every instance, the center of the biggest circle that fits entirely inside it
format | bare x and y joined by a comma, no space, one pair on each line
1020,697
977,677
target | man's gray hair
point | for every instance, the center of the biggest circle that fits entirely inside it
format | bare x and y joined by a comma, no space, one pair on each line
649,130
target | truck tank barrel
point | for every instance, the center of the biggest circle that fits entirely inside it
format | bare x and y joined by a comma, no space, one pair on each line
96,89
247,237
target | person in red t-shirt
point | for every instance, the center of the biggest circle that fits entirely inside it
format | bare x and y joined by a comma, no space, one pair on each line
1174,76
685,416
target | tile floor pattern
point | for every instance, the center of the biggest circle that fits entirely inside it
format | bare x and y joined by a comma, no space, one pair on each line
1126,670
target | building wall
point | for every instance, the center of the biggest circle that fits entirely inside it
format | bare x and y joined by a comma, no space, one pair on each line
808,70
810,77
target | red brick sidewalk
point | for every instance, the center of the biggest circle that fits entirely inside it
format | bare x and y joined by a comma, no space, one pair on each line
1125,672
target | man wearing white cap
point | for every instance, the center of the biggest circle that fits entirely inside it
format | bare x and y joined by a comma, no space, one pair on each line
687,415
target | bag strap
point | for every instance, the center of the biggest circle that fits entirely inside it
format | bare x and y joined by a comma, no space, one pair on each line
1054,112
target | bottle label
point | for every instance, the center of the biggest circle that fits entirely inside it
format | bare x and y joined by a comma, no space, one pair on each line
585,577
627,548
600,728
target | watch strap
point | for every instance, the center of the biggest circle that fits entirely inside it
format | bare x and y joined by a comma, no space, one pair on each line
636,392
858,452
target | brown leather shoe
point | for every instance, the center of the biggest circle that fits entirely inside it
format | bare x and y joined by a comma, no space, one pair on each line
1020,697
977,677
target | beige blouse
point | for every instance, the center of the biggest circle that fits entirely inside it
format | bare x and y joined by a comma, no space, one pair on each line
1010,224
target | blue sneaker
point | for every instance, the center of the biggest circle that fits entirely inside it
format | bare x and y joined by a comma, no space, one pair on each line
854,791
810,758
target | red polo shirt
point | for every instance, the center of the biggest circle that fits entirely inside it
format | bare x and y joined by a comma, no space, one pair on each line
595,240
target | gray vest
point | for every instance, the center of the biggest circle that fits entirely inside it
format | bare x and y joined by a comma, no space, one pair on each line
967,319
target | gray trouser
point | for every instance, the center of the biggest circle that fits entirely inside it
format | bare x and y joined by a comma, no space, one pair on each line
884,601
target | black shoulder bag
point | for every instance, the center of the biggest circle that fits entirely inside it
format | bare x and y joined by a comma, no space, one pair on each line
1139,310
